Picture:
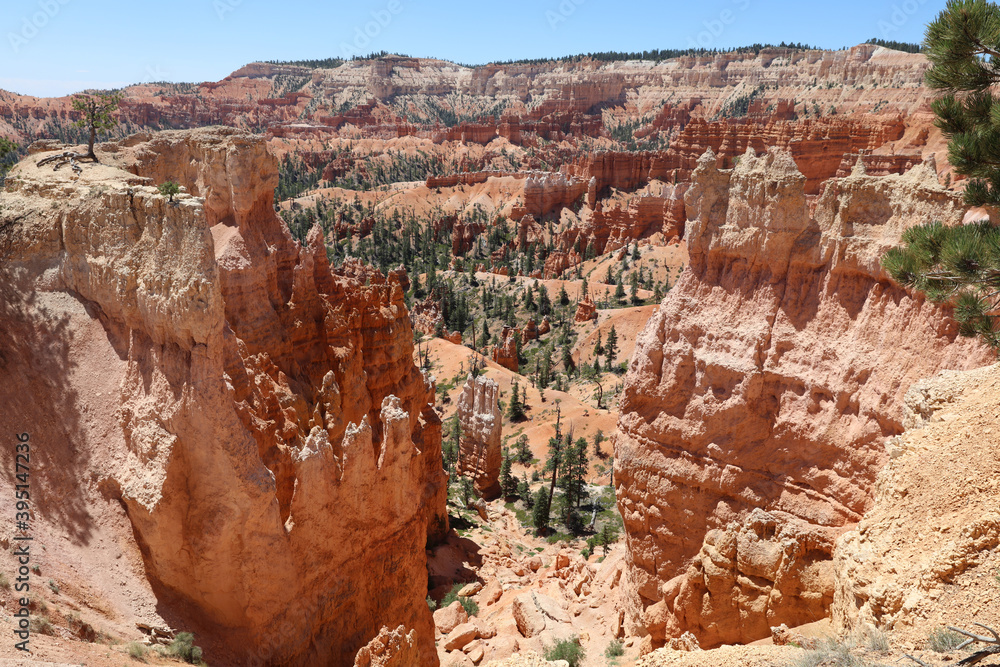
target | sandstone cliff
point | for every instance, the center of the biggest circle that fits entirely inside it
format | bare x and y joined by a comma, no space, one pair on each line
271,437
479,455
769,378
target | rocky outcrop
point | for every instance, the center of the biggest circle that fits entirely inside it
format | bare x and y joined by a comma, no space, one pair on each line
751,576
272,436
773,371
426,317
391,648
585,311
479,455
505,351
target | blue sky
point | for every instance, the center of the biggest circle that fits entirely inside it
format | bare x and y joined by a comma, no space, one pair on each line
53,47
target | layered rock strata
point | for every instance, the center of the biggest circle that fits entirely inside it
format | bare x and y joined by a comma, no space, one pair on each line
769,378
479,455
273,435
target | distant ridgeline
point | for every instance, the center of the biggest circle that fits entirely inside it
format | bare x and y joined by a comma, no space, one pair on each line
897,46
655,55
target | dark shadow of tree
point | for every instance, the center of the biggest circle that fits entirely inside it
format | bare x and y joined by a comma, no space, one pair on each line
37,398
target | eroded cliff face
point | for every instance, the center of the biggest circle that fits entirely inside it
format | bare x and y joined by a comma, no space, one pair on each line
768,379
274,447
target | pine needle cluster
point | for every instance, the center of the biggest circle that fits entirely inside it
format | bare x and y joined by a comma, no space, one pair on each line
963,45
958,265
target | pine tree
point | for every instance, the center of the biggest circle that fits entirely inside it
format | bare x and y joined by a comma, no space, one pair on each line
540,511
515,411
598,346
960,265
619,291
507,480
611,347
598,439
563,296
567,360
466,491
555,456
963,46
544,303
524,493
633,289
524,455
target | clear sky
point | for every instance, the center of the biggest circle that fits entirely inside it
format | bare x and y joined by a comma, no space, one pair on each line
54,47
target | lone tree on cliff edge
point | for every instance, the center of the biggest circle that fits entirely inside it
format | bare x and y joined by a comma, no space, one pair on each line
961,265
97,116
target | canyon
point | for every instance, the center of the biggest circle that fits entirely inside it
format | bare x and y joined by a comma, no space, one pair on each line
270,385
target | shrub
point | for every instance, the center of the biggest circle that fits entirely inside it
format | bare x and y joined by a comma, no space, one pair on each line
943,640
614,650
877,641
568,650
169,189
41,625
54,586
470,606
183,647
137,651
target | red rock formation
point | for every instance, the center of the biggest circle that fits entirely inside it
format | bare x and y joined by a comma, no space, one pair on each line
528,232
545,326
505,352
479,455
258,391
559,261
530,331
769,378
878,164
817,145
585,311
463,234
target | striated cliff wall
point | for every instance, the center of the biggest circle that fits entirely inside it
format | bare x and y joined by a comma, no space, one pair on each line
272,436
768,379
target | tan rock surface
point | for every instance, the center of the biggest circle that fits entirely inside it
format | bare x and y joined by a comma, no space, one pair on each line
925,555
396,648
266,418
773,371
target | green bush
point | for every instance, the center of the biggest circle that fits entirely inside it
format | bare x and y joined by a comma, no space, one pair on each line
568,650
943,640
183,647
471,608
137,651
614,650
